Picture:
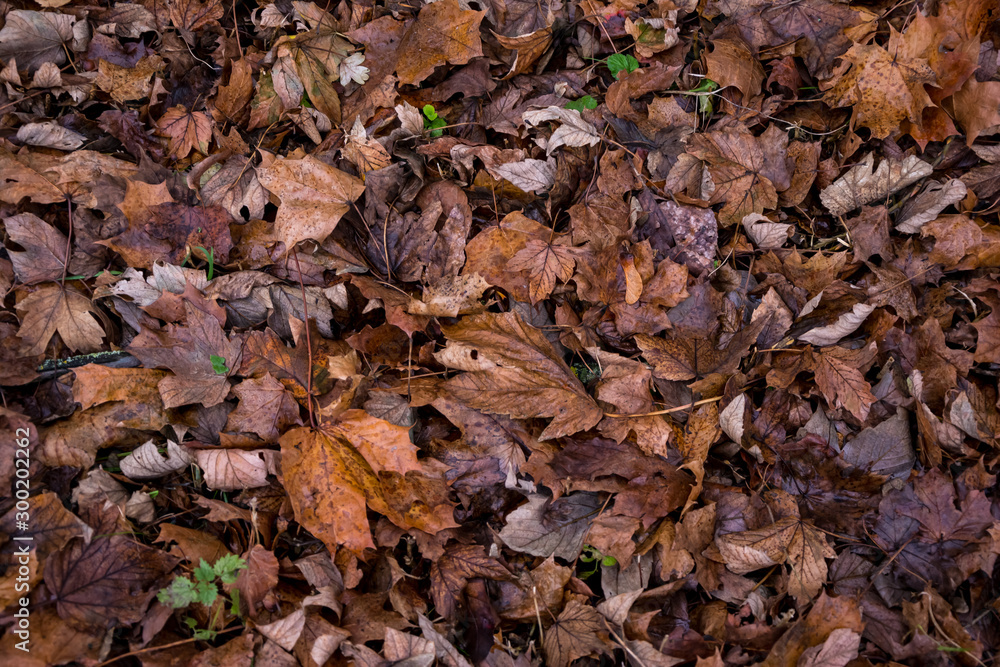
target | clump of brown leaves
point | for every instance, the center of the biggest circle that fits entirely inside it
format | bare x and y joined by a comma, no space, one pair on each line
502,332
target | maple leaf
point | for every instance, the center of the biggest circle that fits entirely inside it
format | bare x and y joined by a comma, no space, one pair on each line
50,179
443,33
331,484
579,631
884,86
513,370
736,159
188,350
544,263
36,38
265,408
685,358
451,572
52,309
789,539
105,578
839,377
314,196
44,255
186,131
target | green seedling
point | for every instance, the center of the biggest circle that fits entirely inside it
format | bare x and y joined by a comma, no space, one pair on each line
619,62
592,555
705,100
219,364
432,121
204,589
585,102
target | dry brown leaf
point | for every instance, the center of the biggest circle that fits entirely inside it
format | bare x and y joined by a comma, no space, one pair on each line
443,33
529,175
58,309
186,130
845,325
512,369
236,469
314,196
578,632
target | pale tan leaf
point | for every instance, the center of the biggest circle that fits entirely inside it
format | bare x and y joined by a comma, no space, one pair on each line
573,130
863,184
236,469
845,325
49,135
764,233
529,175
285,632
840,648
926,206
732,416
146,462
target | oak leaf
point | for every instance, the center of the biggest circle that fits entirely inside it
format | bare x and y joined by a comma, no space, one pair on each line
512,369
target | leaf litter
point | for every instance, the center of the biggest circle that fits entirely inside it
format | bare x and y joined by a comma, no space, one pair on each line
501,333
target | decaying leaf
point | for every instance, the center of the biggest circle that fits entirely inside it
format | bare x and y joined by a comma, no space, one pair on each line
863,184
512,369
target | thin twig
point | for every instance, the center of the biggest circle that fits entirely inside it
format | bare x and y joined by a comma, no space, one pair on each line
679,408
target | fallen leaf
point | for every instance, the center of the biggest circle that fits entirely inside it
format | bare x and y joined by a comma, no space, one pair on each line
884,86
578,632
443,33
506,358
861,185
314,196
186,130
546,527
146,462
36,38
55,309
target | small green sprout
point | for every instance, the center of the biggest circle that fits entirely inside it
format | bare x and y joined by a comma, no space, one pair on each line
621,61
592,555
432,121
183,592
219,364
